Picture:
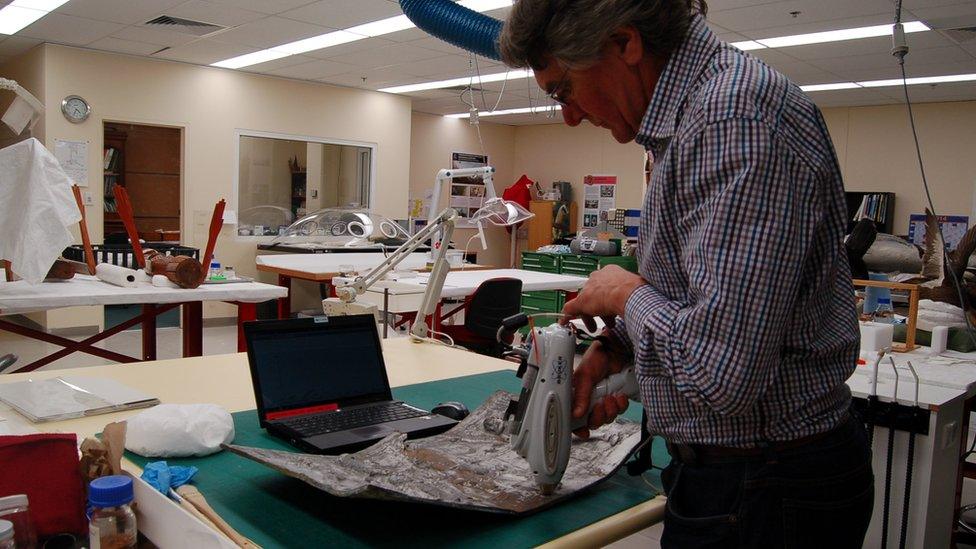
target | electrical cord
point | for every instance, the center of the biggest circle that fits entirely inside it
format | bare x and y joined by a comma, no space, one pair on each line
900,51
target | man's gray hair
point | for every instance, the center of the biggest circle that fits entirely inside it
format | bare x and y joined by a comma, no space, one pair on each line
574,32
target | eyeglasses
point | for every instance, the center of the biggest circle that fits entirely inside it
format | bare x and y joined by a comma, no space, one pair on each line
560,93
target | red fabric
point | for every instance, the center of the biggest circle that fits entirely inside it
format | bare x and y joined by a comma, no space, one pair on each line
519,193
46,468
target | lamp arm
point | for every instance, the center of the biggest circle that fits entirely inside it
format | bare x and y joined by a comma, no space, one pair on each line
486,173
435,283
349,292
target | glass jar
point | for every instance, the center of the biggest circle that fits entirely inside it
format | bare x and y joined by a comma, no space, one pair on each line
112,524
7,535
16,510
229,273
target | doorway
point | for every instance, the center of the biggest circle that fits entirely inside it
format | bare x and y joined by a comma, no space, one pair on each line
147,161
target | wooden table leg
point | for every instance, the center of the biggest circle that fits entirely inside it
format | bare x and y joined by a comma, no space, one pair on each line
284,303
149,331
193,328
246,312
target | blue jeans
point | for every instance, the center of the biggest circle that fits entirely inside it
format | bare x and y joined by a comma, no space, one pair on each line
820,494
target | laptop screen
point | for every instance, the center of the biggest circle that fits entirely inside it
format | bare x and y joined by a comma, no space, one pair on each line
301,363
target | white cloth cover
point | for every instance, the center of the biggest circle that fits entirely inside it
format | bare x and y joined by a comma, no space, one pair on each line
36,209
179,430
937,313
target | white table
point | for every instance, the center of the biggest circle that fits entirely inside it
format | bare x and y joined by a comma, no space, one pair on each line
21,297
946,386
406,294
323,268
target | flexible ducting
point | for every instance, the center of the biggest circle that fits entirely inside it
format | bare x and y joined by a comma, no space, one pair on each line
456,24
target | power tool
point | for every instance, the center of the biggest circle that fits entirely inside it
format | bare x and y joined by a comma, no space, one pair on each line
540,421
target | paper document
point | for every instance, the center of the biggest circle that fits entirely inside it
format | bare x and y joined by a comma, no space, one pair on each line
71,396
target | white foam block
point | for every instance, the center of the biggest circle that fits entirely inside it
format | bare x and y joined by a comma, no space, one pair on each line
876,336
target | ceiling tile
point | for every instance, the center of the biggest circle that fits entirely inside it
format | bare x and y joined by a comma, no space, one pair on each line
264,6
960,91
269,32
67,29
442,68
117,11
124,46
341,14
437,44
154,36
811,13
315,69
386,56
939,12
13,46
879,46
375,78
204,52
918,63
209,12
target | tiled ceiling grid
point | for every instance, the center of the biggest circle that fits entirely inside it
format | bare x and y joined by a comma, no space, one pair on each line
411,56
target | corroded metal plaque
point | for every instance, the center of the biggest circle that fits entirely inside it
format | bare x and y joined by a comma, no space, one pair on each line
469,467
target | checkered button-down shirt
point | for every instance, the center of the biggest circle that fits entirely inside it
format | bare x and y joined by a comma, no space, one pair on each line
746,330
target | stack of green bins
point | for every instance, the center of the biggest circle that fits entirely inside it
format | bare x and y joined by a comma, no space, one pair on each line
545,301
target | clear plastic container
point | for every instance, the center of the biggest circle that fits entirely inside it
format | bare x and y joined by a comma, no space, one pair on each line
885,313
112,524
7,535
216,273
16,509
229,273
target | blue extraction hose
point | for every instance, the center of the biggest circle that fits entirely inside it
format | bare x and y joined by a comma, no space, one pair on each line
456,24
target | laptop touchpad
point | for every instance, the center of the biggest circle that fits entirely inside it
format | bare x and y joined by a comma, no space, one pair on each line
369,431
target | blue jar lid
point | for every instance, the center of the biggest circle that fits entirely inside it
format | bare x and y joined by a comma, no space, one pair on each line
110,491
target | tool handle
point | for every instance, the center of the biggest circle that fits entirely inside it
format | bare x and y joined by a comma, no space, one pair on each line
624,382
194,496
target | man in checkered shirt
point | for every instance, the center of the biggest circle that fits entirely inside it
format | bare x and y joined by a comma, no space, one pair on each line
741,321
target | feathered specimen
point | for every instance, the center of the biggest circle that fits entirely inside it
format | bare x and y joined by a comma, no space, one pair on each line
936,281
858,243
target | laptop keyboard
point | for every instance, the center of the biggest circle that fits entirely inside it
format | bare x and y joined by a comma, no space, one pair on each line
341,420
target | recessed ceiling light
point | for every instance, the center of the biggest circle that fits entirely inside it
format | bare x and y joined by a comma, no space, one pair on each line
522,110
22,13
461,81
329,39
827,36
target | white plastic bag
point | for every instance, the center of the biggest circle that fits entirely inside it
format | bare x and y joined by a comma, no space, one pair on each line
179,430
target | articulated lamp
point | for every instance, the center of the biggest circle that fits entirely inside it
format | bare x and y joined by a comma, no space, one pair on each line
495,211
25,110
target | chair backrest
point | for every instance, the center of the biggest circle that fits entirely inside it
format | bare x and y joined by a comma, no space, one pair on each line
494,300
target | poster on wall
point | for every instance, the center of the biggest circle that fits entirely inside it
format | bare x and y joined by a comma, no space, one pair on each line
467,193
73,157
599,197
954,227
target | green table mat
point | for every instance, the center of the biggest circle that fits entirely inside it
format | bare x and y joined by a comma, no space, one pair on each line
278,511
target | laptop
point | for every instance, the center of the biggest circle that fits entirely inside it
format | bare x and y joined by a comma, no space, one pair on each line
320,384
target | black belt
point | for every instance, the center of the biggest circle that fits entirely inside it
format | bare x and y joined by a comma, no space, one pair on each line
703,454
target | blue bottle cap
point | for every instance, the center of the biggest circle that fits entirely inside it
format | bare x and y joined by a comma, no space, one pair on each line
110,491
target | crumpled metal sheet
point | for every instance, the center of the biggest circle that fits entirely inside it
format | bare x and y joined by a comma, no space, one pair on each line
468,467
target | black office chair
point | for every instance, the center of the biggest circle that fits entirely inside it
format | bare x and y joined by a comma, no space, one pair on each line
494,300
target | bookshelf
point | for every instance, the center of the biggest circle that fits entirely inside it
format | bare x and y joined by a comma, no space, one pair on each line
876,205
113,166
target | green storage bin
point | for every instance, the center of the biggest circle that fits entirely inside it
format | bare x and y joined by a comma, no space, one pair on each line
538,261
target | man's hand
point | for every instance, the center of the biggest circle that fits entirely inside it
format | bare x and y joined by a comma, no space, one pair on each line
598,362
605,295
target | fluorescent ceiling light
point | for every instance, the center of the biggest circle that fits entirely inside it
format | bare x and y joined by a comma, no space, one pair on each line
523,110
462,81
919,80
329,39
828,36
22,13
829,87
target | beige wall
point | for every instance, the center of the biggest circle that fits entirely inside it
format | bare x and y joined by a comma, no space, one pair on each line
433,139
210,104
877,153
874,147
28,71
